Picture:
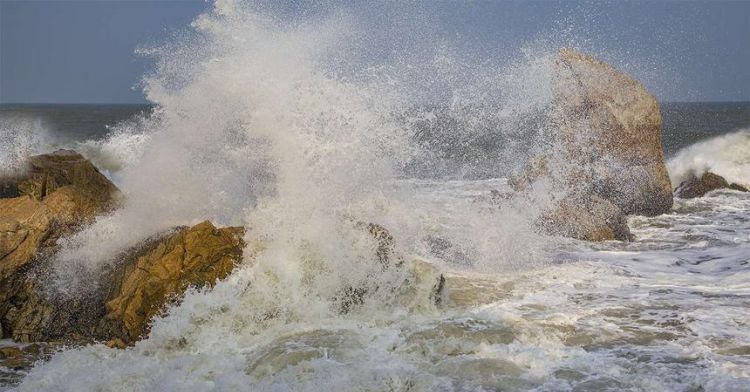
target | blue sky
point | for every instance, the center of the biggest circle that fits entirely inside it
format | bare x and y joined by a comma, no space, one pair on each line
83,51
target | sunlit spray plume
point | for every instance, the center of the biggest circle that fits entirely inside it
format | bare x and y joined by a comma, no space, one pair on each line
296,131
20,137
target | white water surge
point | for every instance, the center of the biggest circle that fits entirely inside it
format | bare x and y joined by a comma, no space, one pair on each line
298,129
726,155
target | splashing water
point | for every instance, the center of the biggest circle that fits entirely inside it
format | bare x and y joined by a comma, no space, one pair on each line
298,130
20,137
727,155
284,128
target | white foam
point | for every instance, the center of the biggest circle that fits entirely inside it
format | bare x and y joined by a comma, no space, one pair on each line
282,127
726,155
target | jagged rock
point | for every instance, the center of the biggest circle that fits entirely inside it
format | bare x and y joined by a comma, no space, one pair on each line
607,136
707,182
160,273
52,196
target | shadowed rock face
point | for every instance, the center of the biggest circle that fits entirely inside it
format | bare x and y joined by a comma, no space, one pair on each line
608,159
707,182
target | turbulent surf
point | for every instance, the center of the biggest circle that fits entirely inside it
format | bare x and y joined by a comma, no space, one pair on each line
302,129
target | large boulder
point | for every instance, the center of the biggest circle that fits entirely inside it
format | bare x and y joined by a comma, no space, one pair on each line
604,150
707,182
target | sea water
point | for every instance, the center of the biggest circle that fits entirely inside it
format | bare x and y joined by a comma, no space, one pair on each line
293,130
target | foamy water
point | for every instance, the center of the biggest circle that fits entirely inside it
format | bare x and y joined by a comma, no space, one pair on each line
727,154
665,312
294,131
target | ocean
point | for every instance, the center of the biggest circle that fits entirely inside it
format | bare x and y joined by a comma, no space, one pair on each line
293,131
667,311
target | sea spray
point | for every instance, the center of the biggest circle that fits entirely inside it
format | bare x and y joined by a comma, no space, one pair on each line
284,128
20,137
726,155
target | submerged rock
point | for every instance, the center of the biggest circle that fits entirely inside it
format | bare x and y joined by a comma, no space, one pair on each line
707,182
608,159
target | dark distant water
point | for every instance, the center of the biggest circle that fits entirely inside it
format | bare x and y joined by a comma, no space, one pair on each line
72,121
685,123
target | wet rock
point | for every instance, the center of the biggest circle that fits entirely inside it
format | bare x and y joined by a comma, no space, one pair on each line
707,182
160,273
22,358
52,196
424,282
595,219
607,140
55,195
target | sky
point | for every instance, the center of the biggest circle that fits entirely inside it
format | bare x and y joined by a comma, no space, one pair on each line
84,51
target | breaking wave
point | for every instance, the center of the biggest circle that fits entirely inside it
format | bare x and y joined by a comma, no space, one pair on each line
300,127
726,155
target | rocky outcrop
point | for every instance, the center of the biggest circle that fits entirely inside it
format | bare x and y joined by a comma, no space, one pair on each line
607,154
159,273
55,195
707,182
58,194
52,196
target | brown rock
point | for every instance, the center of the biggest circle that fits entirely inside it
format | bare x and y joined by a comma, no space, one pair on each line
707,182
197,256
10,352
52,197
595,220
607,139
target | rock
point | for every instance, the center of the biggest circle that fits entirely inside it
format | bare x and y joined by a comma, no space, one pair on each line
386,246
707,182
159,274
607,138
23,358
596,220
10,352
44,174
53,196
419,275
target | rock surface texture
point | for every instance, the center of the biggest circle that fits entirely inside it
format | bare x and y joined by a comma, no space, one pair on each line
57,194
52,196
608,160
707,182
161,272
